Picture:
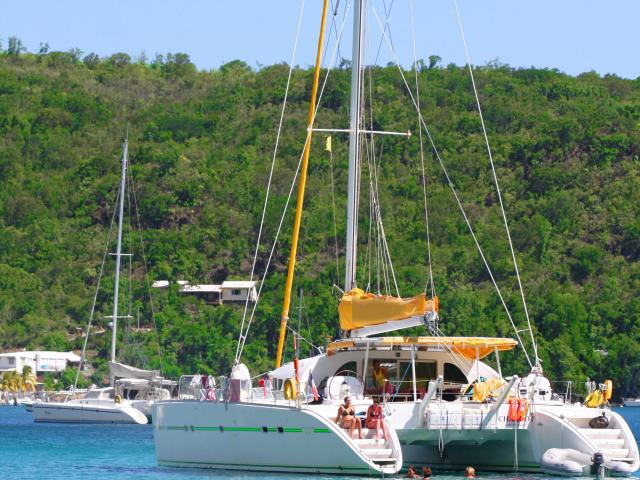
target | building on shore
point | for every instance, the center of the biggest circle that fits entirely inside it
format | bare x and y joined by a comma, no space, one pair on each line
39,361
229,291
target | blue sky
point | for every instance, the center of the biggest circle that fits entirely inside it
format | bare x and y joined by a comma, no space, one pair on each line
573,36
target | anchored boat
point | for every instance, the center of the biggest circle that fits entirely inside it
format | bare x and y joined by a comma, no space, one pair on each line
133,390
443,405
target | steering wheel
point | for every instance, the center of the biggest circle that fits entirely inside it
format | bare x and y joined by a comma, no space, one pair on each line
345,373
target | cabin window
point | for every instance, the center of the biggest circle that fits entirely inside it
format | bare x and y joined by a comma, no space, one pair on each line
425,371
350,366
235,292
12,361
452,374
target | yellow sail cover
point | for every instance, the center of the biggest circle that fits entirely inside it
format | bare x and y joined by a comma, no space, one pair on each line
358,309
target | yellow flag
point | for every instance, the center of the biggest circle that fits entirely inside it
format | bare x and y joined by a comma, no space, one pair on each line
328,145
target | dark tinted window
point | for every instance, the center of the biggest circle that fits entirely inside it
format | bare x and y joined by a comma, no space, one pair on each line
452,374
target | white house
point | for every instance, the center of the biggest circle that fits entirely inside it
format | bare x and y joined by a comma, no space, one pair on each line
229,291
39,361
238,291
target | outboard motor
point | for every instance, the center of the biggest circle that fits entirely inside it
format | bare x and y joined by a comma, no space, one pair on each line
597,467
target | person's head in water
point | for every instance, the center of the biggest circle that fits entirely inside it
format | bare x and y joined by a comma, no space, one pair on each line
426,472
469,472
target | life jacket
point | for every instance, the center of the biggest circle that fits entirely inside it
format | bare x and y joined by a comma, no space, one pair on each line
595,399
512,416
523,406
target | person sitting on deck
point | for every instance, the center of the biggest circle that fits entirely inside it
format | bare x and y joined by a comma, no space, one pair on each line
375,419
346,417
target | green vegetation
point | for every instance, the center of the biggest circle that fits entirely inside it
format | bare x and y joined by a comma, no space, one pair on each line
566,150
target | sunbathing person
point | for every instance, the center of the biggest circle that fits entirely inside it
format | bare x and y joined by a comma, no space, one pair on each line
346,418
375,419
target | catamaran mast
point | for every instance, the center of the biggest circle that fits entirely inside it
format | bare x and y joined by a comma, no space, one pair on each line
301,186
114,318
354,147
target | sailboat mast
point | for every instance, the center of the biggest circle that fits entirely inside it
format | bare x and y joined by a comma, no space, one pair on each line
354,148
301,186
114,318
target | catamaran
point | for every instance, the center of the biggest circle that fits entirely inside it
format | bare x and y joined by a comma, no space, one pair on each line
444,404
132,390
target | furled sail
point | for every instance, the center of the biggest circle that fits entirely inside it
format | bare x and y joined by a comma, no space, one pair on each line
122,370
358,309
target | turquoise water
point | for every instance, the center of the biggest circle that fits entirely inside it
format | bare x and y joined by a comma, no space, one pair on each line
57,451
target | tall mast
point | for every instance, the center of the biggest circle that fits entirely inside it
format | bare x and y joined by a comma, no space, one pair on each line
301,185
114,318
354,148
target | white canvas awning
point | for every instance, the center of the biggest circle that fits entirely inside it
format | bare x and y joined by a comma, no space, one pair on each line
287,371
121,370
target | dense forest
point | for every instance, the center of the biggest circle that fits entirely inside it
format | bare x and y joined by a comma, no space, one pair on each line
566,151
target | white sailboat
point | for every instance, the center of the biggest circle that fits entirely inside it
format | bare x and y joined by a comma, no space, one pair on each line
445,406
129,398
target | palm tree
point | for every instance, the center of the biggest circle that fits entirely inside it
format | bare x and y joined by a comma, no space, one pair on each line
11,382
28,379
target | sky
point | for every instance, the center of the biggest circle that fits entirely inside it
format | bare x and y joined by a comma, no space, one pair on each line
573,36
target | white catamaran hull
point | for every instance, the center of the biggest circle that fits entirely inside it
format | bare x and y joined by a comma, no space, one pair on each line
87,412
457,438
241,436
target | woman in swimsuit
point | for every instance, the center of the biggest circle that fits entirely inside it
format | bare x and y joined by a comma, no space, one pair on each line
346,417
375,419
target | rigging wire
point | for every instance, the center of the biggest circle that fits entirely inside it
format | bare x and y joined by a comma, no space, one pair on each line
335,223
495,179
243,337
273,163
422,163
146,272
95,296
333,24
455,194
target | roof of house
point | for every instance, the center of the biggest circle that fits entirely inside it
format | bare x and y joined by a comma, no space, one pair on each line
69,356
200,288
238,284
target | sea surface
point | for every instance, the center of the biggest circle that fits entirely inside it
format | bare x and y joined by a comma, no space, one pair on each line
56,451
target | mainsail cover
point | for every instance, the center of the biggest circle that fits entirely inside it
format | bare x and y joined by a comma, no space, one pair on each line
122,370
358,309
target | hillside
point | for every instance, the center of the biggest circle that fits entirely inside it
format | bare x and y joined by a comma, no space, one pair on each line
567,152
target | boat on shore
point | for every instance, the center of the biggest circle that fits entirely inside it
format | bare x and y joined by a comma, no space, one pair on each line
443,405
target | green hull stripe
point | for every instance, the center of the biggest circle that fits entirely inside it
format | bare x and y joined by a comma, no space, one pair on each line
268,465
187,428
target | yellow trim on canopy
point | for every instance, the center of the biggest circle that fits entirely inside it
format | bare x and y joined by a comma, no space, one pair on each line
468,347
359,309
